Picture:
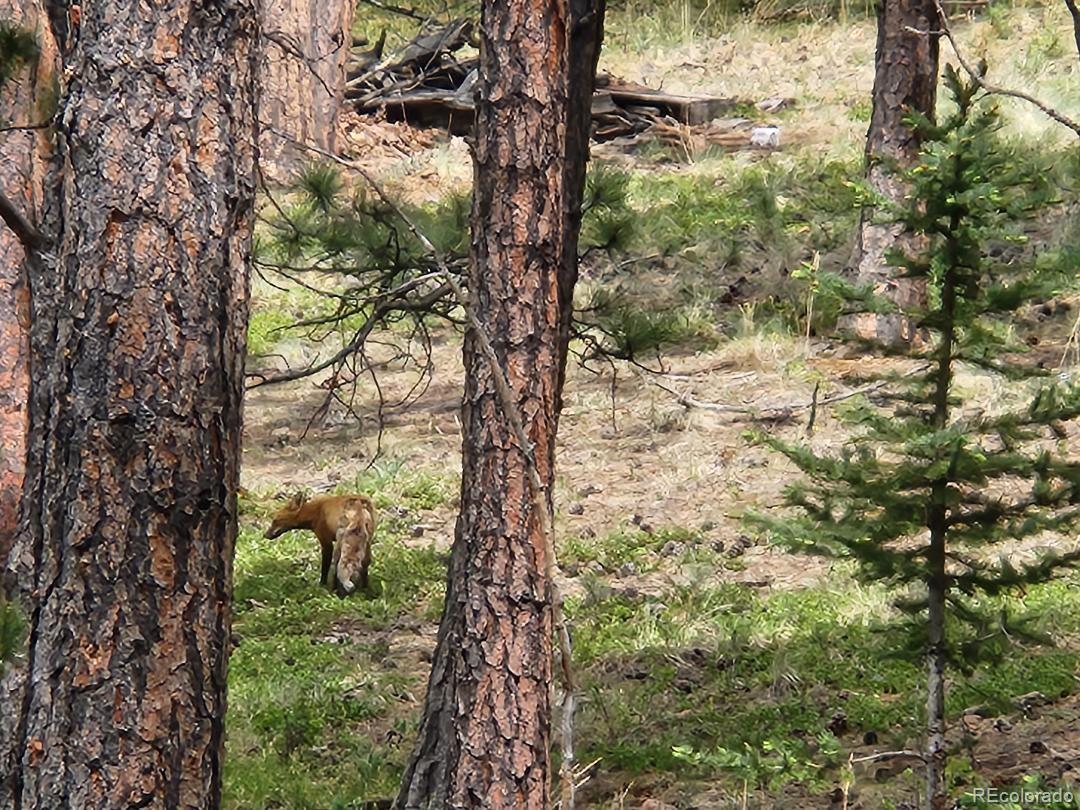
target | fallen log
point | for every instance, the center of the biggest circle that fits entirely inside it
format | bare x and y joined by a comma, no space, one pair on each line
686,109
438,109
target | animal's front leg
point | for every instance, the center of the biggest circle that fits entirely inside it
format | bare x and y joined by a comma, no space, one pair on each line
365,561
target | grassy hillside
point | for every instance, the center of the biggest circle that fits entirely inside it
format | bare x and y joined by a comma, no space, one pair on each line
718,671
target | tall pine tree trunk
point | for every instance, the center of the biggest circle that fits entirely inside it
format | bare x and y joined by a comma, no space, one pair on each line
905,80
486,730
138,314
24,102
305,50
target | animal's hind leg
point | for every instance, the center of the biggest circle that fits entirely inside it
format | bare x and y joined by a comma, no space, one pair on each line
327,553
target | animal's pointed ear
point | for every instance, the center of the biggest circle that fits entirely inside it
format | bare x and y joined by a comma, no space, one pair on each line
297,500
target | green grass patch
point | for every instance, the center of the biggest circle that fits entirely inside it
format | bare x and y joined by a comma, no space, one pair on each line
614,550
786,196
709,681
724,682
315,708
265,329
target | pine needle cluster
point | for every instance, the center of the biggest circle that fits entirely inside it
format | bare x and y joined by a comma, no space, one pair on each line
326,226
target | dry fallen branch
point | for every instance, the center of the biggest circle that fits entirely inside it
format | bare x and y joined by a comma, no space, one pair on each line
769,413
885,756
427,57
427,83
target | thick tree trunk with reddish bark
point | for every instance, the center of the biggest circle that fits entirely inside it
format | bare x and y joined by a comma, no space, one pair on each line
486,731
23,157
306,45
138,316
905,80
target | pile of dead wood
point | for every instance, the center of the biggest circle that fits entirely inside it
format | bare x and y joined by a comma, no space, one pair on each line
425,83
430,83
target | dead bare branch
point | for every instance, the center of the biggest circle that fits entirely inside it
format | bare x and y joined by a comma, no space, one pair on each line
290,272
978,76
30,237
26,127
291,46
1074,12
394,304
769,412
393,9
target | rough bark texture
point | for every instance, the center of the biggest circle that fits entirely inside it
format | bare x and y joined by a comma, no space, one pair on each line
486,731
306,45
24,101
905,80
136,368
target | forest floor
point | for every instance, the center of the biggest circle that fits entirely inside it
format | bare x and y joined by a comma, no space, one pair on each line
718,671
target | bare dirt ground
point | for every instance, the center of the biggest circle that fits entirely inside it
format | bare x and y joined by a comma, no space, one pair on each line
629,452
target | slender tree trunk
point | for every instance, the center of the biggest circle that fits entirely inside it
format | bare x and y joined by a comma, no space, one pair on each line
905,81
586,37
937,592
138,314
1074,12
23,156
305,50
936,663
485,734
937,577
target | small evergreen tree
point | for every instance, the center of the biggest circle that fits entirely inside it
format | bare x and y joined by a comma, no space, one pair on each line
925,491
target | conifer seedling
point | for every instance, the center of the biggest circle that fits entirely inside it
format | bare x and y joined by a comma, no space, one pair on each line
930,494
